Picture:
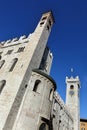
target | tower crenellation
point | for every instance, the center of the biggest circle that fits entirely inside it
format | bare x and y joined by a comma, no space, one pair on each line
14,41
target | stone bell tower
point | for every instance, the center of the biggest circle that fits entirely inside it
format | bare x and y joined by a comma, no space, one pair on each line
72,99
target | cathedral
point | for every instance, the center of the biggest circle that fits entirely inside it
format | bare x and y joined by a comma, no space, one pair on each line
28,96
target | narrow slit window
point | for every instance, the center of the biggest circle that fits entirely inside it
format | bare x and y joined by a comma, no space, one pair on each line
13,63
44,18
0,57
50,22
2,63
2,84
48,28
26,86
36,85
41,23
51,95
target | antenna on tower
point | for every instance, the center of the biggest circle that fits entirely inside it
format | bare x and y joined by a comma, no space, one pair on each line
71,69
72,72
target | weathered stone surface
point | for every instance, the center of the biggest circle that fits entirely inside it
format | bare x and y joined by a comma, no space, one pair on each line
16,80
28,100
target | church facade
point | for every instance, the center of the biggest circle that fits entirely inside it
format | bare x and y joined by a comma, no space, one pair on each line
28,97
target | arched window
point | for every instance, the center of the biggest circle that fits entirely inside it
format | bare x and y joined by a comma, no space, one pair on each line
2,63
13,63
2,84
71,87
51,95
42,126
37,82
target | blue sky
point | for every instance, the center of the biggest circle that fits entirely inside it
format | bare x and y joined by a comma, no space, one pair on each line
68,39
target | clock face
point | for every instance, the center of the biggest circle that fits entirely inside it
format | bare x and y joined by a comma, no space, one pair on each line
71,92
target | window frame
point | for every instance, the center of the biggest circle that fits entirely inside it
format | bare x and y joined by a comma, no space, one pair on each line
20,49
2,84
36,85
13,63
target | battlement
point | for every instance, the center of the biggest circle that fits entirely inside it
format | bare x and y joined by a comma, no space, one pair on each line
72,79
14,41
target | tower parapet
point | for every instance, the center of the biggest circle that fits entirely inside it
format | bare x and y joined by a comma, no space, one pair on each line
73,80
15,41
